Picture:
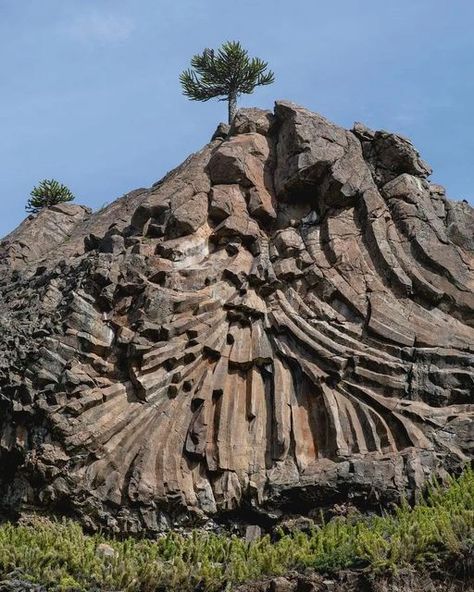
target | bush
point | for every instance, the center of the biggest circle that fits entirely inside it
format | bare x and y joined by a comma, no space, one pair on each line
48,193
61,556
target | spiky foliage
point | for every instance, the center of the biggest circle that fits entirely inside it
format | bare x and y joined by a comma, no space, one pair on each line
439,528
226,73
48,193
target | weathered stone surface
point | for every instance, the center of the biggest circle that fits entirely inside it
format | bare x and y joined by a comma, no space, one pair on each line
222,131
390,155
359,580
16,585
308,145
283,322
460,223
39,235
188,217
252,121
245,160
226,200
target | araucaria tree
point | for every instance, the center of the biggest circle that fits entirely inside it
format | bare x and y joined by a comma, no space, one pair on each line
48,193
226,73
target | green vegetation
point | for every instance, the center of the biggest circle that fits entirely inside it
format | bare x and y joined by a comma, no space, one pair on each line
439,527
227,73
48,193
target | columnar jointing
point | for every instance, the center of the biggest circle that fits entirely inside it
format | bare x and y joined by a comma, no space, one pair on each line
285,318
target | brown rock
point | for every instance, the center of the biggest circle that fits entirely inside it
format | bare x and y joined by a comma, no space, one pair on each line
244,160
182,353
261,204
240,226
188,217
396,153
239,160
226,200
252,121
288,242
222,131
308,145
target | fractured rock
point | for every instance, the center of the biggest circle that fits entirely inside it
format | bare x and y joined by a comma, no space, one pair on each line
188,217
284,322
226,200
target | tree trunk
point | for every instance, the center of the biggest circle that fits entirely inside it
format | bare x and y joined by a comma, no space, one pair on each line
232,99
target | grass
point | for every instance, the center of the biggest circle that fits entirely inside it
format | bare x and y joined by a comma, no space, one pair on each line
60,556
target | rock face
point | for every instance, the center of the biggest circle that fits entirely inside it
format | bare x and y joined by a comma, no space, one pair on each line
38,235
283,321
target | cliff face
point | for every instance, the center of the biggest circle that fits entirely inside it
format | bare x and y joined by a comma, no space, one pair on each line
284,320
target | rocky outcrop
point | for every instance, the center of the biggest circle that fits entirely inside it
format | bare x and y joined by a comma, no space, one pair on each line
39,235
434,580
283,321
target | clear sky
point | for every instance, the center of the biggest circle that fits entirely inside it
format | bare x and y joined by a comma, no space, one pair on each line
90,96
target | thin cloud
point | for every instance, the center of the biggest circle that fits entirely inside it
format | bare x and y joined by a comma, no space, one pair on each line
99,28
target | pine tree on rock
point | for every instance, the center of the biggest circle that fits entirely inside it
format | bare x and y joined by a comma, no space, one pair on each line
226,73
48,193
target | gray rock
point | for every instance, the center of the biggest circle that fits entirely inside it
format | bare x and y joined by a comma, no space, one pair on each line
221,133
460,224
252,532
105,551
18,585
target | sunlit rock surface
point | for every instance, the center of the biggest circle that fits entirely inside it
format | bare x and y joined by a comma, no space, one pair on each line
283,321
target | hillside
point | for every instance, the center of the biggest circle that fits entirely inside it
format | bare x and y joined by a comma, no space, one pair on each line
282,323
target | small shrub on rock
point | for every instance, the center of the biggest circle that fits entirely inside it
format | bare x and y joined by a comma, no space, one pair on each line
48,193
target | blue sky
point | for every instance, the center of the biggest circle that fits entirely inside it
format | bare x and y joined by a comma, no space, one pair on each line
90,95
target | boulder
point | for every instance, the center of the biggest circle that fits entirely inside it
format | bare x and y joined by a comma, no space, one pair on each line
188,217
239,160
243,160
226,200
252,120
221,133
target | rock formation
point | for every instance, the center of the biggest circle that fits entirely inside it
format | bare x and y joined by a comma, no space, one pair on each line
284,320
